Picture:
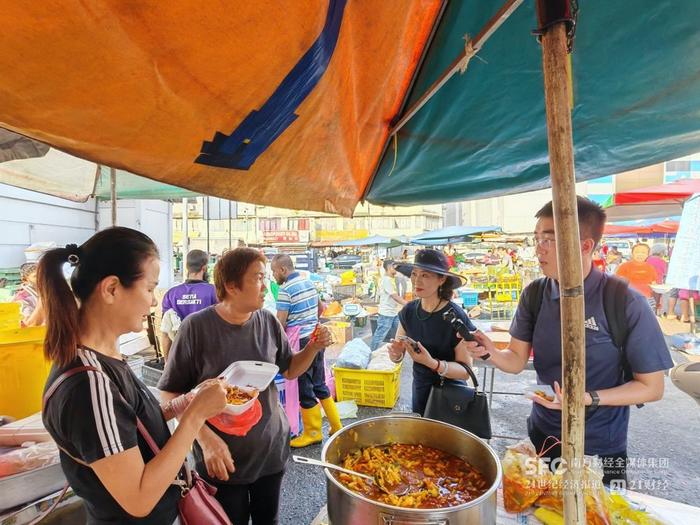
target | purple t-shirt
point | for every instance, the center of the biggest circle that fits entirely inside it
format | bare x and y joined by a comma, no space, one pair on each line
189,297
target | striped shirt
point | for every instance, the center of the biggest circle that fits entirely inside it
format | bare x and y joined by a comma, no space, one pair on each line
91,416
299,298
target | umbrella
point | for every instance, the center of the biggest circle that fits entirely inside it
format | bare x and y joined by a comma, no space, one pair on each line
653,202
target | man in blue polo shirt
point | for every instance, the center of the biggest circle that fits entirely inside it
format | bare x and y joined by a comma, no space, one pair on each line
609,393
297,305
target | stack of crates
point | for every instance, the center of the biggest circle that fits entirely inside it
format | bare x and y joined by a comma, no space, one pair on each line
10,316
372,388
23,370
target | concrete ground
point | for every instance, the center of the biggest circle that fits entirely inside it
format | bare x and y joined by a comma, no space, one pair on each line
663,442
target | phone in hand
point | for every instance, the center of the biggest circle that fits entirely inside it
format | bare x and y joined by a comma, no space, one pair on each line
411,342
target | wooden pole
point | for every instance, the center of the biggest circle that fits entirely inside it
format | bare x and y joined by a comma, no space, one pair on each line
561,161
113,194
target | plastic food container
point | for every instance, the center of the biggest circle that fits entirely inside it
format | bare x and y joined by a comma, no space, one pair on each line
250,376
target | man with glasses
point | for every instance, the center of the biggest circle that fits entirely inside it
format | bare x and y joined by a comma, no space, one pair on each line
616,377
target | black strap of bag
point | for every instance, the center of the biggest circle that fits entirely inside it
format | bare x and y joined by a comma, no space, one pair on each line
460,405
197,506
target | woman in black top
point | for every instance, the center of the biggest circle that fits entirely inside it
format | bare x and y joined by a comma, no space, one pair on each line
422,321
92,414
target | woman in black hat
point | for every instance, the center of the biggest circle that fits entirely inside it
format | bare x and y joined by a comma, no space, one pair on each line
422,320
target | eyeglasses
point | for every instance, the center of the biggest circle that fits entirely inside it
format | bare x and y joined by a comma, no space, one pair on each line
545,243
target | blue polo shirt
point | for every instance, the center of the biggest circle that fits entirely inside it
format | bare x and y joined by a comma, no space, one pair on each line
299,298
646,351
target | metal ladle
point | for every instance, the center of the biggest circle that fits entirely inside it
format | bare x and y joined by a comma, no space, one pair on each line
375,481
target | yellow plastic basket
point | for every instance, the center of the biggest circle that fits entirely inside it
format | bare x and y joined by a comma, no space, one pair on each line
10,316
23,371
372,388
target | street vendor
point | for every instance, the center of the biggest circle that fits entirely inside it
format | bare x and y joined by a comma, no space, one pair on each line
247,470
616,377
298,306
92,414
422,320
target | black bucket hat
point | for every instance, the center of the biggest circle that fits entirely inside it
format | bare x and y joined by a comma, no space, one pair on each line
432,261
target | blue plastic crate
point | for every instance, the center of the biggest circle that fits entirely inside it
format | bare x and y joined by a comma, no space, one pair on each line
469,297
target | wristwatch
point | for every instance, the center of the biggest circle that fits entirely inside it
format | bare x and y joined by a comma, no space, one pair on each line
595,401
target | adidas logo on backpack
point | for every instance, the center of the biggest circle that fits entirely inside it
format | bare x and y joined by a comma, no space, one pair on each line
590,324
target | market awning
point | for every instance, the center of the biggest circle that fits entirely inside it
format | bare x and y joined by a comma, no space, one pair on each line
297,113
665,200
451,234
32,165
660,228
374,240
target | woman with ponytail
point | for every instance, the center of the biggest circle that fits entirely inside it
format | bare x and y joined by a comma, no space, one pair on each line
93,400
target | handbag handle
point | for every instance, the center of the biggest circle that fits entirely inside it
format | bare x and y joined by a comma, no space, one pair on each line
471,373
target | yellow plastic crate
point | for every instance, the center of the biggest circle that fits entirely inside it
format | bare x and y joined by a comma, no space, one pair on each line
23,371
10,316
372,388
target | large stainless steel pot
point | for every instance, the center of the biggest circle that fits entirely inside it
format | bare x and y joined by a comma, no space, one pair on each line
346,507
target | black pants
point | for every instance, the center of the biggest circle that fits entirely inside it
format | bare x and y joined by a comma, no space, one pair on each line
259,500
312,383
614,465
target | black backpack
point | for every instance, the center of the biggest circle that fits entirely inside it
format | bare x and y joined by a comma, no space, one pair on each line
614,307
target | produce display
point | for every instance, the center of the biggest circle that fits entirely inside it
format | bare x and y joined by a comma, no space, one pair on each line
413,476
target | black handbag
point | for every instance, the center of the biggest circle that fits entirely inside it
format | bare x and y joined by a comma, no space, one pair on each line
460,405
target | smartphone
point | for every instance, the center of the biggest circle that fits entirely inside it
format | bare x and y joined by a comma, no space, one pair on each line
410,341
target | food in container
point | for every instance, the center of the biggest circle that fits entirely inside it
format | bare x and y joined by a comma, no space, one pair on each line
542,391
413,476
239,396
245,380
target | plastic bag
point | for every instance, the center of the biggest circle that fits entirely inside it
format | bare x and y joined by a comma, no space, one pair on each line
355,354
346,409
525,477
238,425
593,491
380,360
622,512
30,457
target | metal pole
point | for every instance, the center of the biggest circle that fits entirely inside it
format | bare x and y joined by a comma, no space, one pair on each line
561,160
206,217
185,232
113,193
229,226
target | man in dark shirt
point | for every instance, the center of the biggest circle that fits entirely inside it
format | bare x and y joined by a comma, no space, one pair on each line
609,391
195,294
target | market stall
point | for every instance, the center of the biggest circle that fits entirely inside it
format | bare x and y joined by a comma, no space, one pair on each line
461,145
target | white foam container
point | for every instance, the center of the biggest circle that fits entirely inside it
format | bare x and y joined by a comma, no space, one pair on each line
250,376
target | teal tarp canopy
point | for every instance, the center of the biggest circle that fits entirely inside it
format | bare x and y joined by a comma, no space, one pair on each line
451,234
373,240
130,186
636,71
